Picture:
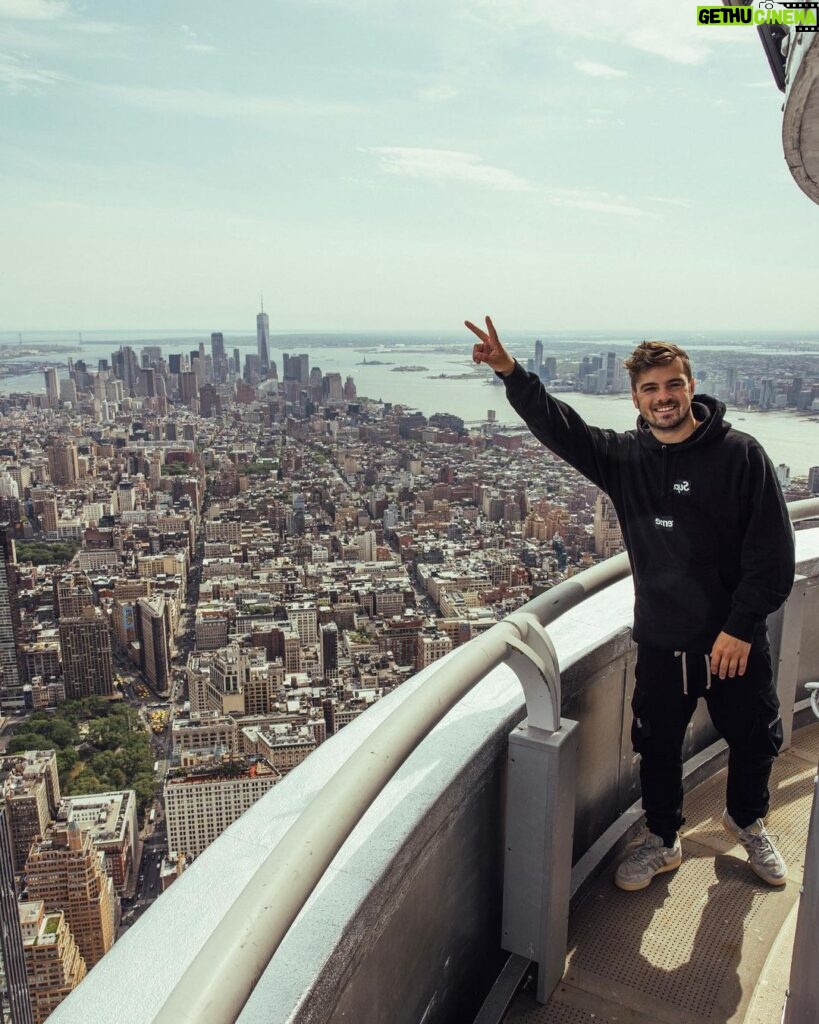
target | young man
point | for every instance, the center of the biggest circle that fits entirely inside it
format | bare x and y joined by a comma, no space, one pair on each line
712,555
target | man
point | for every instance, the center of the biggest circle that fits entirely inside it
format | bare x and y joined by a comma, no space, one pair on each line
712,555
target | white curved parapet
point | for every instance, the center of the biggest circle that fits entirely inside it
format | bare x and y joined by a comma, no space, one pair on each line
800,123
388,860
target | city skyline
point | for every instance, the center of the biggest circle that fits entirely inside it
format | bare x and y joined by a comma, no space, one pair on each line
373,165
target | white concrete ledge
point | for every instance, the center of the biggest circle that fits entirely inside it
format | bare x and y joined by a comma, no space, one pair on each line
134,979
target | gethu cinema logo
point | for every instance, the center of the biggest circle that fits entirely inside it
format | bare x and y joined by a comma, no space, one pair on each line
804,18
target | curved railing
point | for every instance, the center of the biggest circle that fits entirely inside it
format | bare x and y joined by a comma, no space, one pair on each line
221,977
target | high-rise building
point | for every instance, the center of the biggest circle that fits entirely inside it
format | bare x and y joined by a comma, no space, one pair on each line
88,667
68,392
63,467
67,873
200,802
240,682
152,625
11,681
54,964
41,658
209,402
52,387
188,386
46,510
329,651
538,356
111,821
218,356
125,366
263,340
332,388
11,941
608,539
813,479
146,382
31,792
72,593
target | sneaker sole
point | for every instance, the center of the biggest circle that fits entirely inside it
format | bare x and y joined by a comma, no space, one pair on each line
636,886
776,882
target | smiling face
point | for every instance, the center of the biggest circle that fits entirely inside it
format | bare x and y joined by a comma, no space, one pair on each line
663,394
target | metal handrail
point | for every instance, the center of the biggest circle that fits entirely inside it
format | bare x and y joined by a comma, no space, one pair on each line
221,977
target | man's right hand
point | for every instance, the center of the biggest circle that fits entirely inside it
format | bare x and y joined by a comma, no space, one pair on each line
489,349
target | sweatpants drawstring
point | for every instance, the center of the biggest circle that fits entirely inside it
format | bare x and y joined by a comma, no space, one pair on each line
682,655
684,661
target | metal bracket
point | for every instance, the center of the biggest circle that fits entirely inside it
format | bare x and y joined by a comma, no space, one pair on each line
813,689
535,645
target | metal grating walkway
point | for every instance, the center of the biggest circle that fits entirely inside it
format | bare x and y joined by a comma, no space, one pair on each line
700,945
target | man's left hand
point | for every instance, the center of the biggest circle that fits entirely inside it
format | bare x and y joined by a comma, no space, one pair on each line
729,656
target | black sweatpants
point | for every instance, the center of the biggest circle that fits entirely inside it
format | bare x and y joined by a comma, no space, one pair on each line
744,710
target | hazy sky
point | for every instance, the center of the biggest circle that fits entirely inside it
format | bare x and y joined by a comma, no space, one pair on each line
378,164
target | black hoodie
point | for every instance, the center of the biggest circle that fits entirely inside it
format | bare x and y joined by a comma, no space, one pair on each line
704,521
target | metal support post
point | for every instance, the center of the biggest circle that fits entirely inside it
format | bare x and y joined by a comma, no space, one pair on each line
538,856
802,1003
786,634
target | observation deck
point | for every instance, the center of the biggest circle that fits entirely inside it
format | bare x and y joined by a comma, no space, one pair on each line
426,861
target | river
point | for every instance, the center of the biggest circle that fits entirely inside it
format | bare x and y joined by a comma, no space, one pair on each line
467,391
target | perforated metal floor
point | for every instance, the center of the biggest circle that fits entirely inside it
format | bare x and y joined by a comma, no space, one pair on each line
690,948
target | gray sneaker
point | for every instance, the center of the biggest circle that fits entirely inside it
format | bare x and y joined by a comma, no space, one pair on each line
763,856
649,858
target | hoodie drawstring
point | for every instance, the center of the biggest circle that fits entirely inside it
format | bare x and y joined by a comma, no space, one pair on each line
684,661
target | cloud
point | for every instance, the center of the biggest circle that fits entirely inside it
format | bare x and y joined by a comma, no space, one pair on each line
671,201
595,70
447,165
203,103
32,10
437,93
191,41
17,77
593,201
668,30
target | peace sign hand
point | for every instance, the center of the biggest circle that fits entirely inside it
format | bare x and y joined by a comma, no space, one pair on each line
489,350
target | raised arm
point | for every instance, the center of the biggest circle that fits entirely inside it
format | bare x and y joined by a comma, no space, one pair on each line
553,423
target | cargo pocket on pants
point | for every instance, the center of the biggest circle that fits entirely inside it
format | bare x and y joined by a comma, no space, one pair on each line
640,727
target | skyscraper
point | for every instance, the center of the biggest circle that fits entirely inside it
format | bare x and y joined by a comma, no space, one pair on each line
88,664
52,388
53,961
153,637
31,794
219,357
11,942
11,685
63,466
263,339
66,872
